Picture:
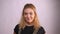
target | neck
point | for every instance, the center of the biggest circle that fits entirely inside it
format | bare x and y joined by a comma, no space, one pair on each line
27,24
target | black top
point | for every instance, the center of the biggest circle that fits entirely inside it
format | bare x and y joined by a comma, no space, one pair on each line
29,30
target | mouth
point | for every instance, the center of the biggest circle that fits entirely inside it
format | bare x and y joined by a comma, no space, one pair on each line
28,19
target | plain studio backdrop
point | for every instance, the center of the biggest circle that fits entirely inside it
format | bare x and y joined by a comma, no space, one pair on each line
47,11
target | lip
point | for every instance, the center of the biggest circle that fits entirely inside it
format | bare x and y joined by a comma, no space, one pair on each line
28,19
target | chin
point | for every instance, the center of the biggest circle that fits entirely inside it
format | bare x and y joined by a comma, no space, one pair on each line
29,21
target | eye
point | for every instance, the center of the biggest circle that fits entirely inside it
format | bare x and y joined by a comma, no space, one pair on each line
31,13
25,13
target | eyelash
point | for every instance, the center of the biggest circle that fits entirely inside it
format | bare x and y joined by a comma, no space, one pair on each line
30,13
27,13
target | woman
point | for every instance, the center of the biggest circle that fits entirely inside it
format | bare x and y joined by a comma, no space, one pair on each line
29,23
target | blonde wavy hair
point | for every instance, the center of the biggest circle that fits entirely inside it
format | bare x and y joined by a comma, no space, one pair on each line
35,21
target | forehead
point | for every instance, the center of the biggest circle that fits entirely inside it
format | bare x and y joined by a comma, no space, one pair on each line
28,10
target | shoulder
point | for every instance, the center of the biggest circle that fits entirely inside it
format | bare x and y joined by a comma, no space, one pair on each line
16,29
17,26
41,30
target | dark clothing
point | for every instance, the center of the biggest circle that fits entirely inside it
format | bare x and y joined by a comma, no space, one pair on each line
29,30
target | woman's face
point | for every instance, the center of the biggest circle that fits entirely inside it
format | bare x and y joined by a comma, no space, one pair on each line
29,15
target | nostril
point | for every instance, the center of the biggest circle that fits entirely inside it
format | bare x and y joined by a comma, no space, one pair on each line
28,15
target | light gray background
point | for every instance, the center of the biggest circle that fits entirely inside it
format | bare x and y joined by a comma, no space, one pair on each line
47,10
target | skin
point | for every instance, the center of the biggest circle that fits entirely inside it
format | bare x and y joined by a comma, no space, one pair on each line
29,15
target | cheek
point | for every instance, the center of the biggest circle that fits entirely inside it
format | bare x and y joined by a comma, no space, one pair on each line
25,16
32,17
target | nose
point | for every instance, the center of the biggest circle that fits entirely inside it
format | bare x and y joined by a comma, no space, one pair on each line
28,16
